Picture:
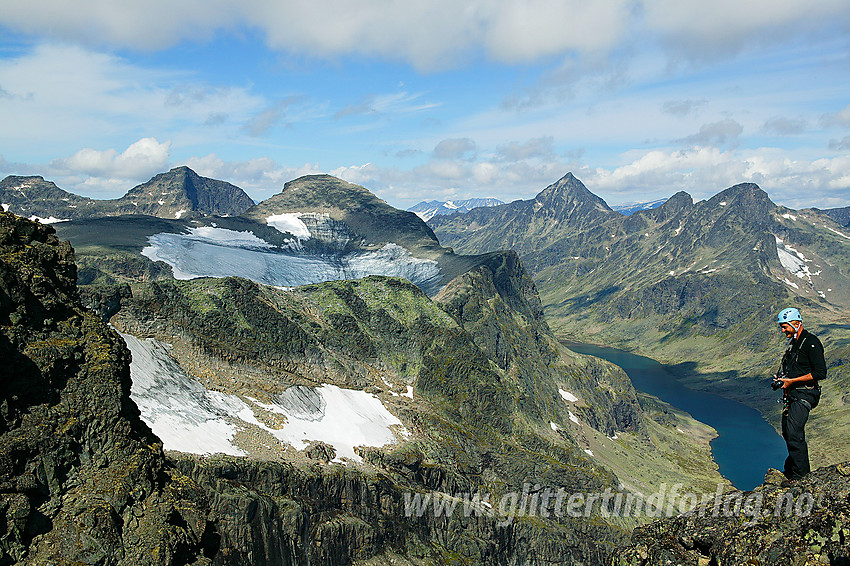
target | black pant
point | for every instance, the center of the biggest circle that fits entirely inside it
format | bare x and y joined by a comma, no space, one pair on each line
794,417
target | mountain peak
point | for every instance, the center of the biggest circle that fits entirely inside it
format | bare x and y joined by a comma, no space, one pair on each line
326,191
181,191
745,199
367,218
568,197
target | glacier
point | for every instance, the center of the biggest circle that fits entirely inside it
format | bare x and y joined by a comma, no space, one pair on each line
219,252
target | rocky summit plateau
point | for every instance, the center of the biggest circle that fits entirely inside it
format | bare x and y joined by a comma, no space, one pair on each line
317,379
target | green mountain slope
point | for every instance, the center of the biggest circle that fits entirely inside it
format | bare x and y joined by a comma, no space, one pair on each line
695,285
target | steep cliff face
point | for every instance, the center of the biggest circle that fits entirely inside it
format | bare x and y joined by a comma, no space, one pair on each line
82,479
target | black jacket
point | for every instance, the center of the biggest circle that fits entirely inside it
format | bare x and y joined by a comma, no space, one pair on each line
803,356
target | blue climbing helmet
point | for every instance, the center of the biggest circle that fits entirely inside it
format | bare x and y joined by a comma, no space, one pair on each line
787,315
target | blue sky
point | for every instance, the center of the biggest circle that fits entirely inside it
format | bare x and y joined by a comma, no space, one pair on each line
438,100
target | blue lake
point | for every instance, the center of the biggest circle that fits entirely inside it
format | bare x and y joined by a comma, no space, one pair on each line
746,445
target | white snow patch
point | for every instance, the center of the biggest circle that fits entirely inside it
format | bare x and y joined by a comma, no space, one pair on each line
180,410
723,203
789,217
567,396
343,418
794,262
615,437
553,426
673,272
6,207
289,223
190,418
180,213
589,452
49,220
790,283
573,417
160,202
409,392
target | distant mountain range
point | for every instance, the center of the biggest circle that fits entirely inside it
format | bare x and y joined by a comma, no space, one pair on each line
179,193
697,282
629,209
426,210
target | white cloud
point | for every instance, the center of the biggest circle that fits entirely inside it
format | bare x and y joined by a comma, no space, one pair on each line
704,171
433,34
57,93
543,147
144,158
260,178
706,29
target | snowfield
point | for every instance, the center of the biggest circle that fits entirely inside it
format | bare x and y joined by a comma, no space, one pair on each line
188,417
218,252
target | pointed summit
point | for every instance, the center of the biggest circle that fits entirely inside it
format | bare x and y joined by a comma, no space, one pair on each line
747,200
181,192
569,199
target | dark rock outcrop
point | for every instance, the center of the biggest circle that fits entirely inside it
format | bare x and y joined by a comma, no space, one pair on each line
82,479
780,523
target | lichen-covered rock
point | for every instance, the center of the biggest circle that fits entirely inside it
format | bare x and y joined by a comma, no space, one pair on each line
82,479
779,523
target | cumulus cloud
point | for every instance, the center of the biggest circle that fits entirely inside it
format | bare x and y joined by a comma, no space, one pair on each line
701,171
704,171
143,158
723,132
434,34
702,30
455,148
260,177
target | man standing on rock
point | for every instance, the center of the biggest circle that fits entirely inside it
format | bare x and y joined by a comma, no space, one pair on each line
803,366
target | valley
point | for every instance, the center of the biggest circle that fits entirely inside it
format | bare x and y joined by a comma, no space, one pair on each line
304,365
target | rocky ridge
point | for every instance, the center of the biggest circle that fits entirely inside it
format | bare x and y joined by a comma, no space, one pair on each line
806,522
179,193
82,479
